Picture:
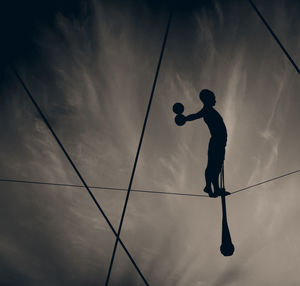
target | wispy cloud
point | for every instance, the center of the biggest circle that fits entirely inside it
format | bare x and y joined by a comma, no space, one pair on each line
94,83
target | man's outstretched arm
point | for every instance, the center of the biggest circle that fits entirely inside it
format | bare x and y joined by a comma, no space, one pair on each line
194,116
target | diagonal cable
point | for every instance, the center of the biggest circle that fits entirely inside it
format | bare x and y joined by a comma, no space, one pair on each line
274,36
139,147
76,170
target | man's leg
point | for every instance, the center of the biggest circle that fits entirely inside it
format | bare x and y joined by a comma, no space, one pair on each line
215,182
217,164
208,177
208,180
209,170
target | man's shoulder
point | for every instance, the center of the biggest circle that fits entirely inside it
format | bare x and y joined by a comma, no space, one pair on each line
215,111
208,110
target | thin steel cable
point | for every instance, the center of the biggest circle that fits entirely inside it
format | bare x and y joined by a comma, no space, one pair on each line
264,182
143,191
76,170
139,147
98,187
274,36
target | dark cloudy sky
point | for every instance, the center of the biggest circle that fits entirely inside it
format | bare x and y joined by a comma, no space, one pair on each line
90,65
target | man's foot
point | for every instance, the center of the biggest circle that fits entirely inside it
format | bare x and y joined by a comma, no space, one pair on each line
208,190
217,192
220,192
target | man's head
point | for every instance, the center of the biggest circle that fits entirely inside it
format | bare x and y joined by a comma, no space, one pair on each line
207,97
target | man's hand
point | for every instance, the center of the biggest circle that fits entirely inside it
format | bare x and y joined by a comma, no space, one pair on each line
180,119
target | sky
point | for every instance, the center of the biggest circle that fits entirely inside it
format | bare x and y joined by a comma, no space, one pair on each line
90,65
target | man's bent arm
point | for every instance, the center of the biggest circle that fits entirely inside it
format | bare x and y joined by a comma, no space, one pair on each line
194,116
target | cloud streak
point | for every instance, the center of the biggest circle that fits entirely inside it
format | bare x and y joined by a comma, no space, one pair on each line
93,80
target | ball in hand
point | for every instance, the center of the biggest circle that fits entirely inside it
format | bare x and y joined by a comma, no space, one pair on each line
178,108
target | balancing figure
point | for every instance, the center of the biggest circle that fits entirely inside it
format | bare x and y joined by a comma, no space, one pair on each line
216,156
217,143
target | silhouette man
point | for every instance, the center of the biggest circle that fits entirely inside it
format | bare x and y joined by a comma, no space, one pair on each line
217,143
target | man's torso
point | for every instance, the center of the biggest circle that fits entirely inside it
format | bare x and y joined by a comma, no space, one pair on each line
215,124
